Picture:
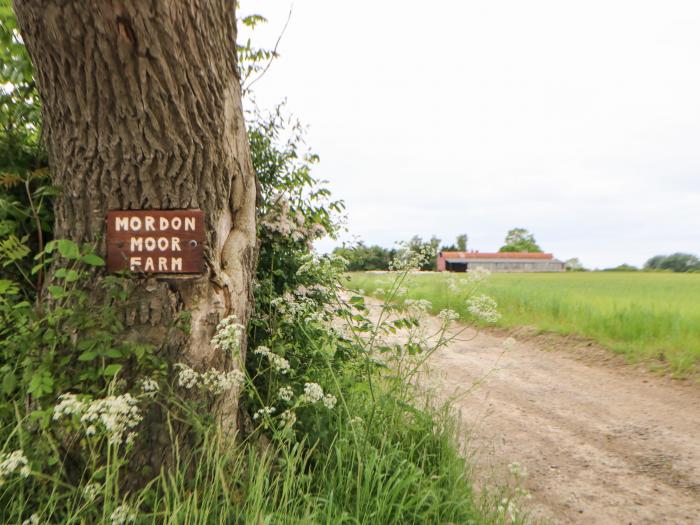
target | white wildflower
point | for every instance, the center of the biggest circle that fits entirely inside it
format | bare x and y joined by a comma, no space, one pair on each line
91,491
380,291
32,520
288,418
312,393
420,305
218,382
401,291
448,315
329,401
68,405
285,393
278,363
122,515
228,335
213,380
517,469
187,378
117,414
264,411
478,275
91,430
149,386
14,461
483,307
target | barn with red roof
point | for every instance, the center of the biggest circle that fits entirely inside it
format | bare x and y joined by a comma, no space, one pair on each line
499,262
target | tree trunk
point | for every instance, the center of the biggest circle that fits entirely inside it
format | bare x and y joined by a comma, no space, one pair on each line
142,110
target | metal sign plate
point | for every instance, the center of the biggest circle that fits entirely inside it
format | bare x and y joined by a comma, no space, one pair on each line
155,241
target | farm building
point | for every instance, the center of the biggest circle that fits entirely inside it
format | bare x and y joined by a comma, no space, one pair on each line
499,262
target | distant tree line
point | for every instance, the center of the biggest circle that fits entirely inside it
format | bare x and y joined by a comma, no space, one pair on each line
676,262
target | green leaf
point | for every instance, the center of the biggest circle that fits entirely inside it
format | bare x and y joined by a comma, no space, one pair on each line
87,356
68,249
9,382
56,291
112,370
92,259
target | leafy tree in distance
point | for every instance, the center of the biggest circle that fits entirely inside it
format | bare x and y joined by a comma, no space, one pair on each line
462,242
362,257
676,262
573,265
459,246
520,240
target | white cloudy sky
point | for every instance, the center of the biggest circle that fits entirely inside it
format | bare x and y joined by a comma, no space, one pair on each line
579,120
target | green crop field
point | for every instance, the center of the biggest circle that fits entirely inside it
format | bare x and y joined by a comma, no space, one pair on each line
646,316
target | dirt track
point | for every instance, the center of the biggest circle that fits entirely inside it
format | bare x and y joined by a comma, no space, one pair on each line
602,443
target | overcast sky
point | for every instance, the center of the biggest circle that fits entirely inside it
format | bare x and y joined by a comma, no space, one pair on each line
578,120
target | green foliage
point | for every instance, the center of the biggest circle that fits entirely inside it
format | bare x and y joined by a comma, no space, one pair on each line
676,262
520,240
459,246
361,257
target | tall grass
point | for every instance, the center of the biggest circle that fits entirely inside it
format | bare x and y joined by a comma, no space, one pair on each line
645,316
403,468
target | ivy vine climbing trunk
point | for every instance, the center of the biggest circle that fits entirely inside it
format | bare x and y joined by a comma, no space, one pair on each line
141,103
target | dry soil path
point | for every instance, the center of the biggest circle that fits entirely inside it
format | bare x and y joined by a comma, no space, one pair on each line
602,444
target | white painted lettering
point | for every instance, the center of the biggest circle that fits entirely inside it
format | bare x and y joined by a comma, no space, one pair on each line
150,223
135,263
189,223
162,264
164,224
150,244
176,223
149,267
175,244
136,244
135,223
176,264
122,223
163,243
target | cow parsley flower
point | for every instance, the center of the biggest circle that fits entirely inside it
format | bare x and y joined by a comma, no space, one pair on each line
278,363
312,393
122,515
228,335
118,415
149,386
478,275
68,405
285,393
483,307
288,418
329,401
420,305
186,378
218,382
91,491
14,461
448,315
32,520
213,380
264,411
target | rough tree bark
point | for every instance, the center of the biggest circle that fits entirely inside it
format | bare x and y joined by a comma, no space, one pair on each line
142,110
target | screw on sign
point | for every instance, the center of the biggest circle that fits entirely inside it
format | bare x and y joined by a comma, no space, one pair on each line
155,241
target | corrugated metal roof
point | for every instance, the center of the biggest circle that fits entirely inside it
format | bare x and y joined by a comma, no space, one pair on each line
457,256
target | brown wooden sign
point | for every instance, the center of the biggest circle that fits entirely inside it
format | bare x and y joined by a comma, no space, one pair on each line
155,241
